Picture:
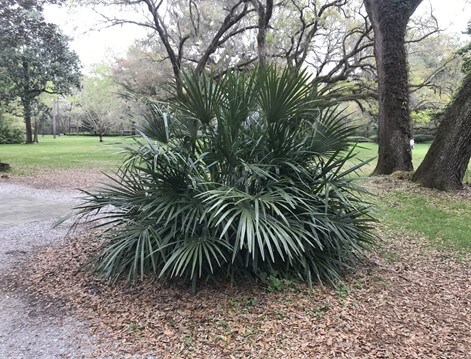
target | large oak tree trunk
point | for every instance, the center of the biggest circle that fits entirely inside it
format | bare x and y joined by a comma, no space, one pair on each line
389,19
445,164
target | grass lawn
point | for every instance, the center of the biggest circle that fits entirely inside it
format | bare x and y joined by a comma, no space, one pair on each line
370,150
444,219
64,152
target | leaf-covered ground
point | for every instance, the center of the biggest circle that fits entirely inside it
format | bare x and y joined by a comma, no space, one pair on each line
412,301
408,299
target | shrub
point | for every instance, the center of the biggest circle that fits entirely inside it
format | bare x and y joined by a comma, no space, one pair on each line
245,175
424,132
422,138
10,135
359,139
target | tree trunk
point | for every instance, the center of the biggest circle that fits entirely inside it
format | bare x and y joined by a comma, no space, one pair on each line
27,117
264,15
36,131
55,112
26,101
389,19
54,125
445,164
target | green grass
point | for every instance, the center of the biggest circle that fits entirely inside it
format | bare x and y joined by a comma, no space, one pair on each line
444,219
370,150
64,152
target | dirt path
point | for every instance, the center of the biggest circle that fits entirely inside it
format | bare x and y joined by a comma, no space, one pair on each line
29,327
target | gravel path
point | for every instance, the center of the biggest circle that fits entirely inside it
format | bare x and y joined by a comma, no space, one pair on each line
29,327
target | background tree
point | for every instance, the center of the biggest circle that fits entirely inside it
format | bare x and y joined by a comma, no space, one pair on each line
42,116
265,12
34,56
100,108
333,38
142,70
198,32
434,71
389,19
445,164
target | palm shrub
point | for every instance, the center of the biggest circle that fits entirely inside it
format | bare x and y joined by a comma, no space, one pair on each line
242,176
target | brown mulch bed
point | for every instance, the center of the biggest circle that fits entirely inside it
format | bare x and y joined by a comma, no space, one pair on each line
384,184
59,179
410,301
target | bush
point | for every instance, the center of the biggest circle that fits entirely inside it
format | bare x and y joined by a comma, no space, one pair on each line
359,139
424,132
366,130
422,138
246,175
10,135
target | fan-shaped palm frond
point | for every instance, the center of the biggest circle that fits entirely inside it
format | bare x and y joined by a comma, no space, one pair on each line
242,175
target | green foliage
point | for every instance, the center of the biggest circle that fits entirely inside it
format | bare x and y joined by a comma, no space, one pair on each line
246,175
434,71
10,135
466,66
34,57
421,116
37,61
423,138
275,283
466,53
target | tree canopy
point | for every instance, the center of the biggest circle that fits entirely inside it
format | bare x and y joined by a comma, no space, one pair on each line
34,55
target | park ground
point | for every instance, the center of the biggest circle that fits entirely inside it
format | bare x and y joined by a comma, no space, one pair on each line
409,297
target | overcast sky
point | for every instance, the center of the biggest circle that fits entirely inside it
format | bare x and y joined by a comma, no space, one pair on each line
99,46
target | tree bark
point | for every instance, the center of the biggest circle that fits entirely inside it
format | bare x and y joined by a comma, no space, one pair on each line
445,164
36,131
264,15
27,117
54,118
26,101
389,19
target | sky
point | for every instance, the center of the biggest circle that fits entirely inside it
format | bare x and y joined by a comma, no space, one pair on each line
94,46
